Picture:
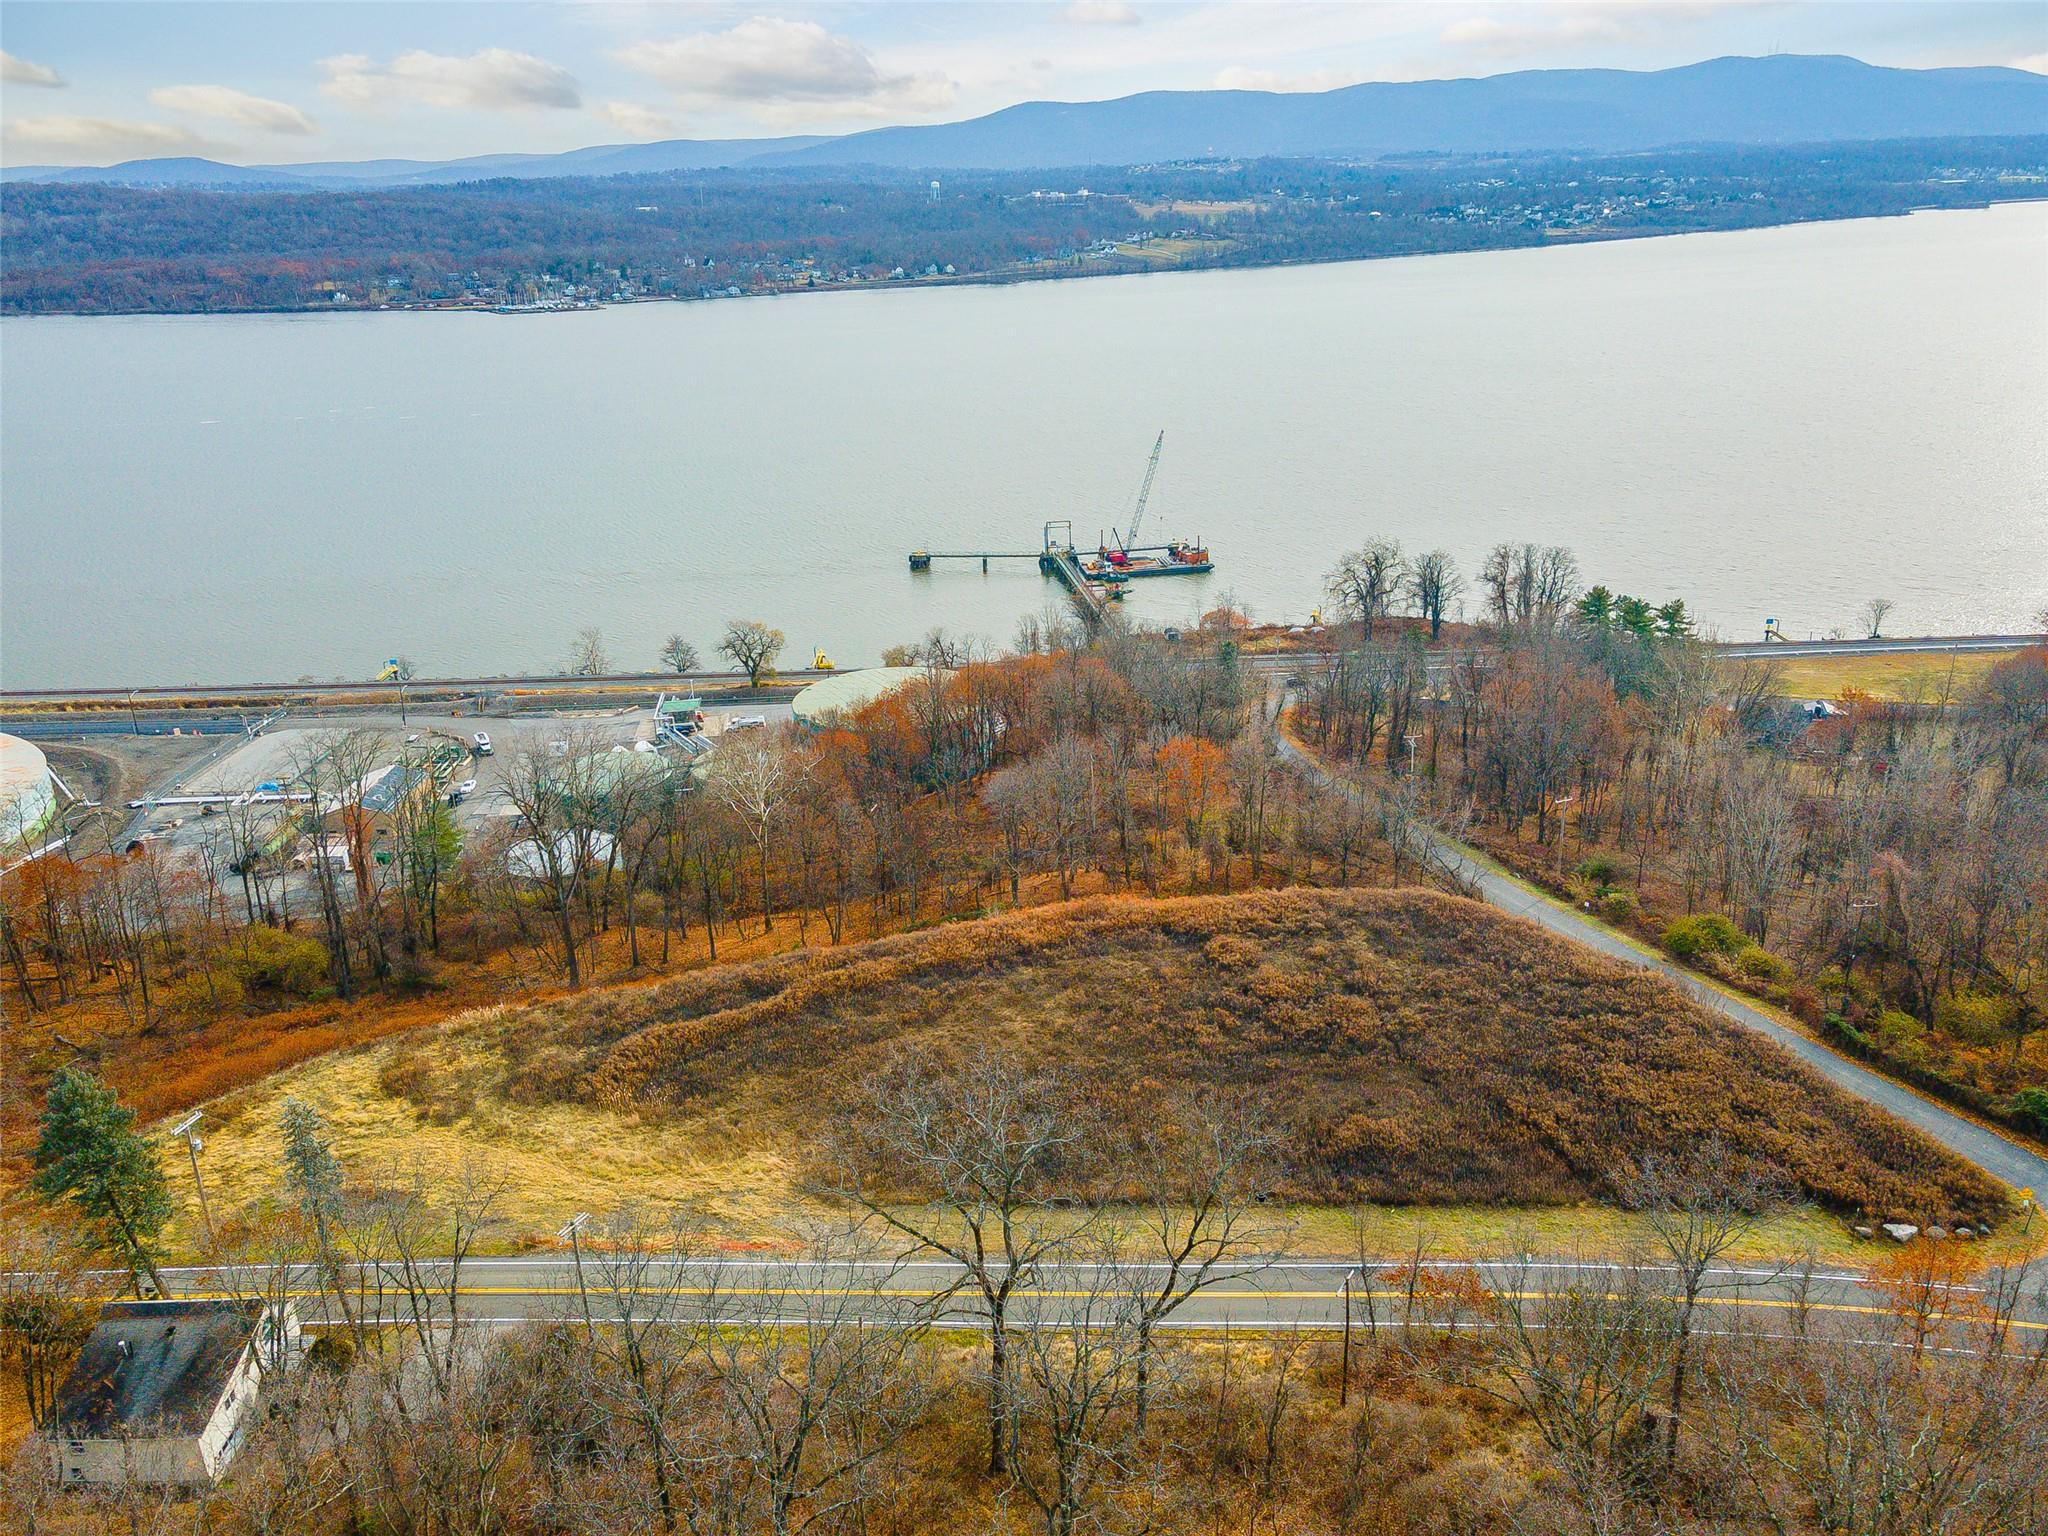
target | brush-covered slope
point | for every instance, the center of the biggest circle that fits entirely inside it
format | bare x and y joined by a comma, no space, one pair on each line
1413,1047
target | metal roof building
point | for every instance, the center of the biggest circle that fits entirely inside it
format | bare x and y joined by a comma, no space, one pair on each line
27,792
846,693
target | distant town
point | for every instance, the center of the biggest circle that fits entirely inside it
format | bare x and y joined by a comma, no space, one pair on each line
582,242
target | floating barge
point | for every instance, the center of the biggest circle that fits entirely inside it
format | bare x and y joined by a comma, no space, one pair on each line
1116,562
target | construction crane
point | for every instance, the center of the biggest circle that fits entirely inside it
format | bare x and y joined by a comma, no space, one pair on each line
1144,494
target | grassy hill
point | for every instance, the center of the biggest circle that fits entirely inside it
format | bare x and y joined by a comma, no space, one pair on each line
1415,1048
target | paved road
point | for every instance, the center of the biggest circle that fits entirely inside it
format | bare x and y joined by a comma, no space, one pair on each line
1309,1294
1997,1155
417,688
1929,644
426,688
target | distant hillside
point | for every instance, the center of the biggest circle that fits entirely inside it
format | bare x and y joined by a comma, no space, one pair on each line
599,160
1780,100
1783,99
1414,1048
178,171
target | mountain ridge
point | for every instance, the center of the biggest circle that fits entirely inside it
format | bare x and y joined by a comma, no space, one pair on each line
1775,99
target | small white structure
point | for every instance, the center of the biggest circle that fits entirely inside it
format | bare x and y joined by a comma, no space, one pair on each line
528,860
162,1390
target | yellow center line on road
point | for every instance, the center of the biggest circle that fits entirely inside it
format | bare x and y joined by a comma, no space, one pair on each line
599,1294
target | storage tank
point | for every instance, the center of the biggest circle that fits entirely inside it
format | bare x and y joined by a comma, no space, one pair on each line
27,792
848,692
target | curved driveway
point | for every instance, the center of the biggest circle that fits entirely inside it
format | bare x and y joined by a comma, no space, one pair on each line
1995,1154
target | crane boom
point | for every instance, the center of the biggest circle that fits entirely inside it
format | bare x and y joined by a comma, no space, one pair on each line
1144,492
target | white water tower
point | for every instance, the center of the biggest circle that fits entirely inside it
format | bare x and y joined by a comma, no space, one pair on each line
935,191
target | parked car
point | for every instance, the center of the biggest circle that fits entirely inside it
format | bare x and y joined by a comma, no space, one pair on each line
461,792
481,741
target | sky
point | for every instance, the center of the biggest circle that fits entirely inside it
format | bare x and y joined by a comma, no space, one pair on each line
296,81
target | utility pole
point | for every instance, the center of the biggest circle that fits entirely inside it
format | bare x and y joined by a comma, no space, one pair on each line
570,1232
187,1128
1344,1384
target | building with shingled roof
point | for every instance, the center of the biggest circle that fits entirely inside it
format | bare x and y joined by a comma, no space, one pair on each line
162,1390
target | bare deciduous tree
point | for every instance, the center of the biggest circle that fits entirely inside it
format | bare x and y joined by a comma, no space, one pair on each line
1073,1439
751,646
1850,1437
1700,1206
815,1385
1582,1360
678,655
587,657
756,776
1201,1168
1366,582
553,797
987,1145
1434,584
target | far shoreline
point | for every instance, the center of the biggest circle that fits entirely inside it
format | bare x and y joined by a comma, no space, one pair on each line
1007,278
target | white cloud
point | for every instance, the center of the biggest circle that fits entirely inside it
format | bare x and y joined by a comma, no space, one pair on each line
493,79
2036,62
21,72
766,62
1578,23
1238,78
232,106
1100,13
100,139
637,121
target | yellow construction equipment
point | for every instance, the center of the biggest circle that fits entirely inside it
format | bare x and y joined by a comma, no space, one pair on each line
821,662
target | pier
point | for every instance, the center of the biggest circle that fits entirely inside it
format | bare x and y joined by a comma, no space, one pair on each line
1056,557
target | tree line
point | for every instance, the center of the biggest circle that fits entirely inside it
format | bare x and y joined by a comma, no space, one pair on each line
1879,866
88,248
832,1385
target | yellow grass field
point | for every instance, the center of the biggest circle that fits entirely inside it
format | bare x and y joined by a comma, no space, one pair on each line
706,1092
1172,252
1896,676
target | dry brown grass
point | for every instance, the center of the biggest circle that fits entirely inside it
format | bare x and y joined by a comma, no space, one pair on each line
1893,676
1415,1048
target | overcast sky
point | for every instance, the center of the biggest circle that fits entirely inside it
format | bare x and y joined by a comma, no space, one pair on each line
308,80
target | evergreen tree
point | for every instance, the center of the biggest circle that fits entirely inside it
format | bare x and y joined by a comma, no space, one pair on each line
1635,616
312,1171
91,1154
312,1174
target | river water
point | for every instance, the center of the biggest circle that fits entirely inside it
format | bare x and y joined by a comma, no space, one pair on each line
1779,423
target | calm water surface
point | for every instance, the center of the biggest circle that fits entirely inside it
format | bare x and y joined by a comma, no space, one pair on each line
1776,423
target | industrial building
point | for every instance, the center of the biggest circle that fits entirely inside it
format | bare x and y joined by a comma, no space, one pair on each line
372,813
